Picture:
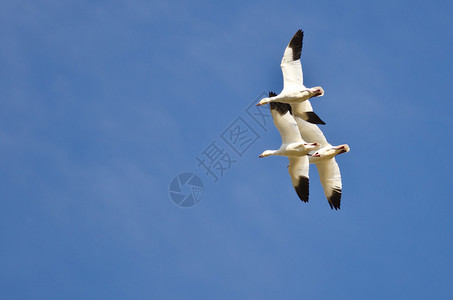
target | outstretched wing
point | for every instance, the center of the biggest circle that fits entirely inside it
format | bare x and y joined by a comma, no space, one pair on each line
329,173
311,132
298,170
304,110
294,48
284,121
293,78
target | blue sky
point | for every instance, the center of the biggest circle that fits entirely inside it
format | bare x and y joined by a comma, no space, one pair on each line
103,103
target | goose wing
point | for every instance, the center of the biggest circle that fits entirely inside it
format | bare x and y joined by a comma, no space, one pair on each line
304,110
330,176
293,78
298,170
284,121
311,132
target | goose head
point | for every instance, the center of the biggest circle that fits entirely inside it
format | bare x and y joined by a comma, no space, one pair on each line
266,153
342,148
263,101
317,91
329,152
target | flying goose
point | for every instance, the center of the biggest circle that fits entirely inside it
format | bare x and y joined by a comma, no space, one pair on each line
294,92
293,146
324,159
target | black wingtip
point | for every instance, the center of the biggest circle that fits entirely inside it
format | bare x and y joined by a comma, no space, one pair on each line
272,94
282,108
302,189
313,118
296,44
335,199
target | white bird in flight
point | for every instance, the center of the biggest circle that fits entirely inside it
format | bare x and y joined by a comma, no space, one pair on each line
294,92
295,120
292,146
324,159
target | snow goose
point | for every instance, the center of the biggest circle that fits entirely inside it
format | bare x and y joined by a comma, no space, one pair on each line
324,159
293,146
294,92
